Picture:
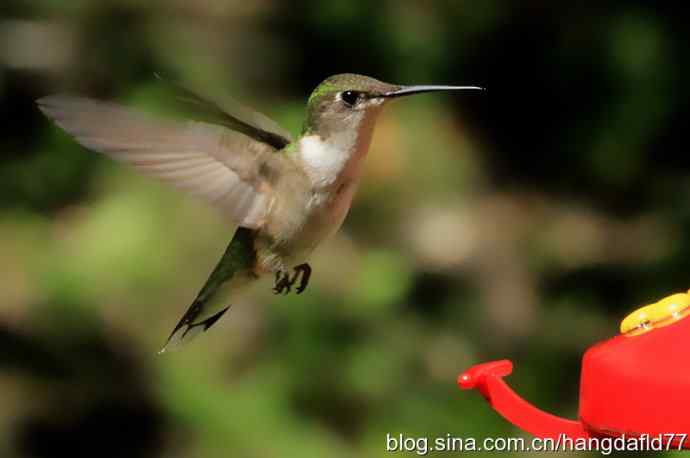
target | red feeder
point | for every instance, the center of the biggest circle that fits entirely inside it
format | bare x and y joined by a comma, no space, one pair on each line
635,383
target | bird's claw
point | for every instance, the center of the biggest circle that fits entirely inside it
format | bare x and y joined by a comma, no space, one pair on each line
284,282
305,269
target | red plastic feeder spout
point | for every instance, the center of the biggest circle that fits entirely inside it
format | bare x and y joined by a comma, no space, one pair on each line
488,379
634,384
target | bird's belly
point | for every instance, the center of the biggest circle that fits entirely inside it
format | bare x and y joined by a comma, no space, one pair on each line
324,219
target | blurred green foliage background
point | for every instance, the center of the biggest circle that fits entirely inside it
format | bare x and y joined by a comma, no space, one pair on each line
523,223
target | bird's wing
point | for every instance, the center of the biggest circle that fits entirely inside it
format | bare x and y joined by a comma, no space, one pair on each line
226,112
227,168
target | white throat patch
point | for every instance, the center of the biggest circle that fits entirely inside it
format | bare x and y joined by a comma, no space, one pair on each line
324,160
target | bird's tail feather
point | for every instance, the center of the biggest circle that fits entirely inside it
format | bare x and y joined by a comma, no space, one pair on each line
233,273
186,329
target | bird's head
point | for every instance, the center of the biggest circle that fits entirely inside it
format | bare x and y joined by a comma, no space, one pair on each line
352,102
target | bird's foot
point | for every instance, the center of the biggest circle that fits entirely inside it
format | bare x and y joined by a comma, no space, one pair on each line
305,270
284,282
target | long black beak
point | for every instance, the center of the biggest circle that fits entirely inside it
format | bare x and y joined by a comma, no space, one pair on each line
409,90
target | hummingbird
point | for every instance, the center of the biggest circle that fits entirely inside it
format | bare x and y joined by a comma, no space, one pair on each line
282,196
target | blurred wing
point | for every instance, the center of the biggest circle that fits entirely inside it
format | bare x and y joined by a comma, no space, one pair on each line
228,113
227,168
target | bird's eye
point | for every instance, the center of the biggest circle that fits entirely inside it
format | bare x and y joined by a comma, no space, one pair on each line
349,97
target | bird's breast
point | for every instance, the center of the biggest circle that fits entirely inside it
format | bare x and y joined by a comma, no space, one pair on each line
325,213
333,168
330,208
